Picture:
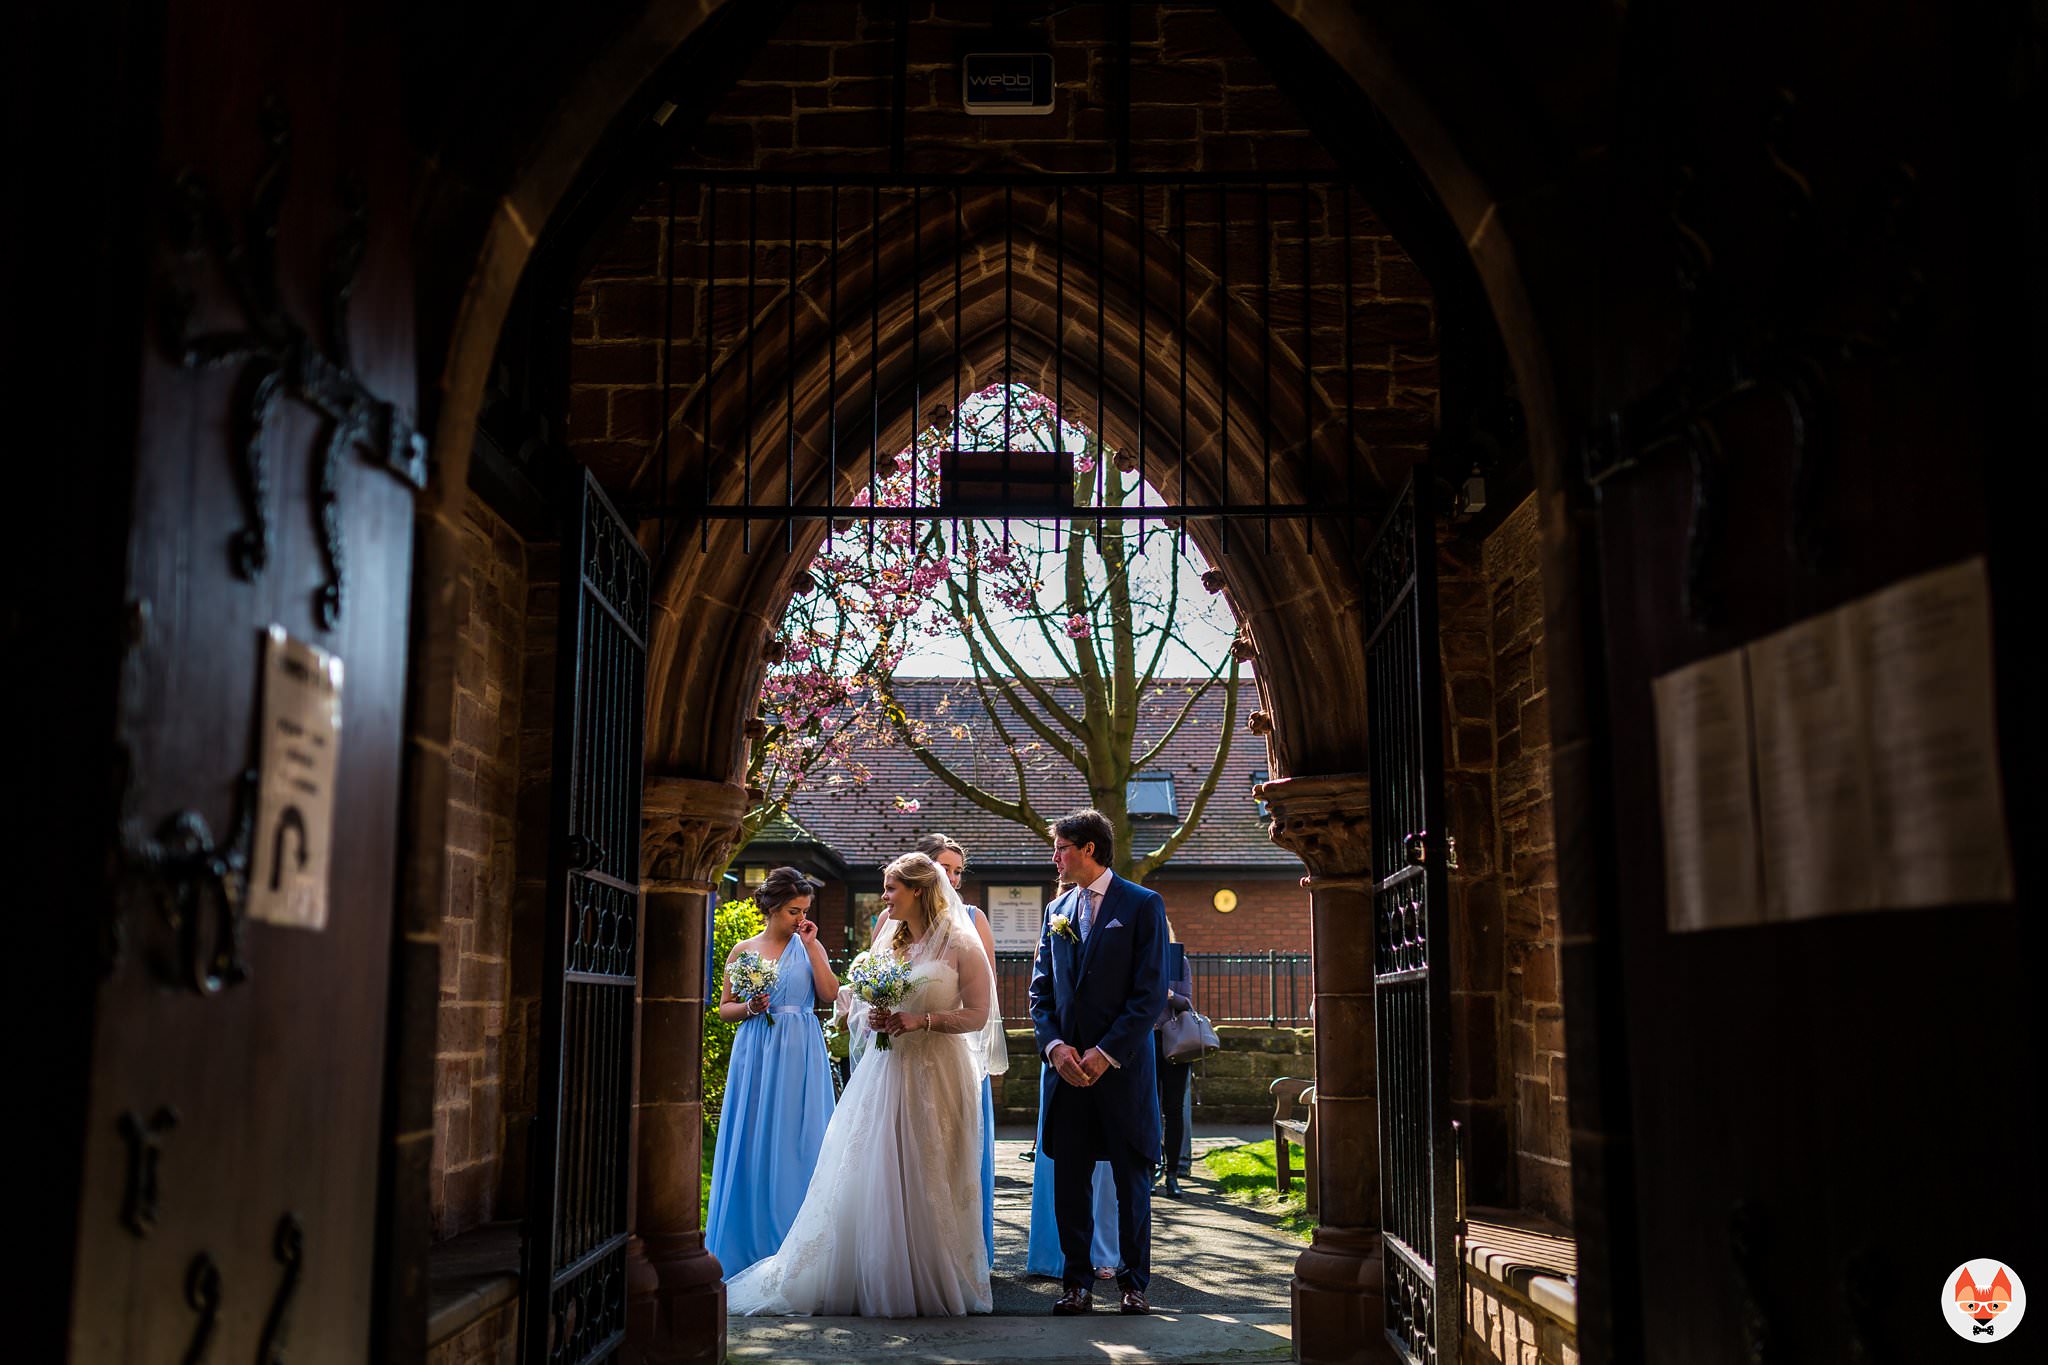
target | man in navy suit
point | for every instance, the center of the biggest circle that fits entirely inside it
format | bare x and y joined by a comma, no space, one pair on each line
1097,989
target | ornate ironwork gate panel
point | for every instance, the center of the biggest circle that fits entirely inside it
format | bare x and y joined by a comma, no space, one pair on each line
574,1278
1411,936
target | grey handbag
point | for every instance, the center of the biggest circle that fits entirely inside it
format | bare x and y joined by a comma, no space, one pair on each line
1187,1037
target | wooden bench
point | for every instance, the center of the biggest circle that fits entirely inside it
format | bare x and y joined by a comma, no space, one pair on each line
1289,1096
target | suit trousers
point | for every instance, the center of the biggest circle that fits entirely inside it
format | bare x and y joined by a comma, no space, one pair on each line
1073,1188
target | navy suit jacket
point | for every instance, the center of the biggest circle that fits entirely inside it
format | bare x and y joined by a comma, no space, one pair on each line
1106,993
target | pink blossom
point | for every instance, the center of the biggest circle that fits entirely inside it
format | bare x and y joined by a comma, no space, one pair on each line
1077,626
1084,464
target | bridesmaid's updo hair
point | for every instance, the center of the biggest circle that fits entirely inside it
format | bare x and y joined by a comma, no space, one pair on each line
932,845
780,887
922,877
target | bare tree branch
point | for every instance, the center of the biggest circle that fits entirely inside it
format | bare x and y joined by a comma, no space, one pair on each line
1152,861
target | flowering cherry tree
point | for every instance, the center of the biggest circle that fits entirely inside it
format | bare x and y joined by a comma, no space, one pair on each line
1065,625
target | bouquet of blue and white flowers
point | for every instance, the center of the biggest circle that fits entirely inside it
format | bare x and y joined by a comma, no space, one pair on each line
750,975
881,979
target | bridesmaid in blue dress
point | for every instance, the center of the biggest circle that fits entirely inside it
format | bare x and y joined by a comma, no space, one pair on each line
953,858
778,1085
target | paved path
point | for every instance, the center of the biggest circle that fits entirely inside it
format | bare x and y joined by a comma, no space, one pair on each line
1219,1293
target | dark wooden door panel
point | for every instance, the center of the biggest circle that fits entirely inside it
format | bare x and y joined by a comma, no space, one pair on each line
266,1182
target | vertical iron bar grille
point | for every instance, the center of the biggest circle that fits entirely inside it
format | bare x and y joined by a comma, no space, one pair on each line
574,1282
1410,937
770,333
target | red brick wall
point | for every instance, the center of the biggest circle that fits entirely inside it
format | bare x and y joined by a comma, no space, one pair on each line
1272,911
481,1062
1271,914
818,97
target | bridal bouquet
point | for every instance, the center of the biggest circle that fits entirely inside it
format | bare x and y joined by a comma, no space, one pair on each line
750,975
881,979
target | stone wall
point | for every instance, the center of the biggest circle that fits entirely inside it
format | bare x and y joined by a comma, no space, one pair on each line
496,873
1231,1086
1482,1099
1528,867
1507,1022
492,1339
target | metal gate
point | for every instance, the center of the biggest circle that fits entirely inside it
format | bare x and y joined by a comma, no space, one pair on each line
574,1262
793,250
1411,936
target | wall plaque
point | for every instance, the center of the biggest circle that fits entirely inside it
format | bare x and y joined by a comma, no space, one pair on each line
1006,82
295,787
1016,914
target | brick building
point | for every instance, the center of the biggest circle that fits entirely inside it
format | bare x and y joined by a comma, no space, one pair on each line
1228,889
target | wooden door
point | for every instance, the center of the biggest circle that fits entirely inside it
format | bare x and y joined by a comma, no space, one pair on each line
228,1206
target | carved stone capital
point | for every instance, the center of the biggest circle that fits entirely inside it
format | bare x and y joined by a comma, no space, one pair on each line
687,828
1324,821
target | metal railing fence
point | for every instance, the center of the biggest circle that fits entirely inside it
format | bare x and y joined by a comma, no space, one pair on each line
1271,988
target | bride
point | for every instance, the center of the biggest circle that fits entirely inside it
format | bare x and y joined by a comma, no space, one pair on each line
891,1223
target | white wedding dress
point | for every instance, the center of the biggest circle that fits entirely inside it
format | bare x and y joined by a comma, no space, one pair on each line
891,1223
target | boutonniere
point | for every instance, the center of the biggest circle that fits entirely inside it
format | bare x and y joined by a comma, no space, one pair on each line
1064,924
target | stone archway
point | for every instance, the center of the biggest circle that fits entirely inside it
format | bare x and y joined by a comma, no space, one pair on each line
733,602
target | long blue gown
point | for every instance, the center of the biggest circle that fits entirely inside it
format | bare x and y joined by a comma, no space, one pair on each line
1043,1255
778,1100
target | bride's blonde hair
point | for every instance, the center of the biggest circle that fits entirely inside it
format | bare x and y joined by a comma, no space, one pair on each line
923,878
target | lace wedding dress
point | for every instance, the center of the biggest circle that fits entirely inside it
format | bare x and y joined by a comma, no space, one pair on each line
891,1223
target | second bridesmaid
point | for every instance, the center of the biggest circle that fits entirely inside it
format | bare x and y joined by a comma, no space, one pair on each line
778,1085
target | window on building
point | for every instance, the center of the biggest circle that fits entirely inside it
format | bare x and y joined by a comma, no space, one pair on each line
1260,775
1152,794
751,877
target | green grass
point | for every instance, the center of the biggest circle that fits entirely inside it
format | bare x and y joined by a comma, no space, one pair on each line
704,1186
1245,1174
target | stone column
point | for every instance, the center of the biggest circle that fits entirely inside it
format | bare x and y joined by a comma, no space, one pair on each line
1339,1301
676,1298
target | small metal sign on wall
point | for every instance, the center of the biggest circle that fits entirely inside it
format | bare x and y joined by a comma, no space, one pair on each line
1006,82
295,789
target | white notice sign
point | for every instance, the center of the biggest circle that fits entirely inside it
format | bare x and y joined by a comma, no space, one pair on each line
1017,915
295,792
1869,733
1712,872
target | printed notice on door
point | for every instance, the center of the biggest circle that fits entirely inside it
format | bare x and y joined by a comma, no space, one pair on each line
1711,873
1939,805
295,790
1874,746
1813,770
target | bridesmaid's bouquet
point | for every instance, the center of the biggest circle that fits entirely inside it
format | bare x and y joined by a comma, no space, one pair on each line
881,979
750,975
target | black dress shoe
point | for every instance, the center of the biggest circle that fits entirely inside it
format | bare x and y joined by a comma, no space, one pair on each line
1134,1302
1172,1186
1076,1300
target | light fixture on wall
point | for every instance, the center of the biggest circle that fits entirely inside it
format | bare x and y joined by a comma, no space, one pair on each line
1224,900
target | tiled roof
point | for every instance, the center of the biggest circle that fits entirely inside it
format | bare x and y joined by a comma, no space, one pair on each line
866,826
